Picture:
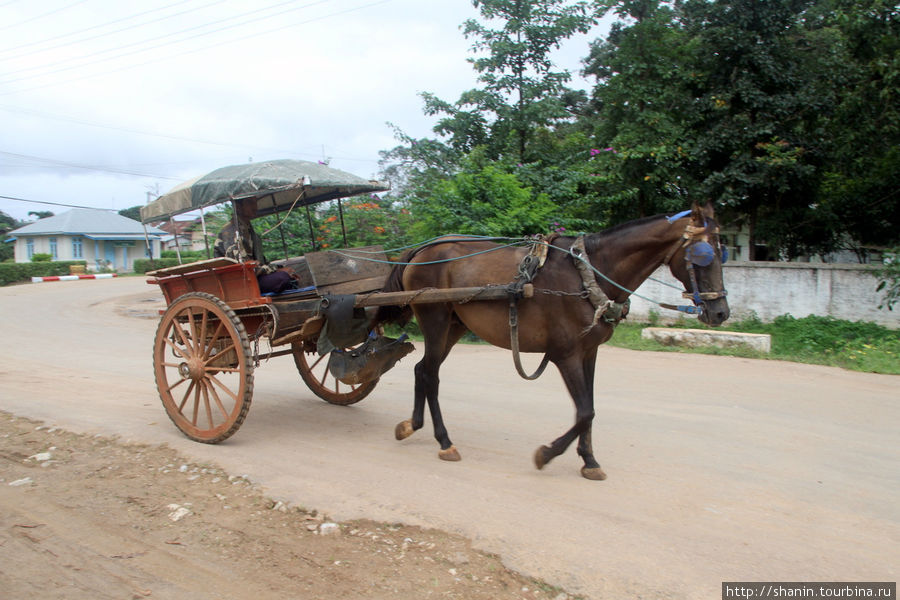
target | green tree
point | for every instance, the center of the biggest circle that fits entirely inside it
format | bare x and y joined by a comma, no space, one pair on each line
518,122
639,111
862,179
762,98
133,212
7,224
482,199
522,91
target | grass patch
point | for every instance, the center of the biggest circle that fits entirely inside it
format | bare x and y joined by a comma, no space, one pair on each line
855,345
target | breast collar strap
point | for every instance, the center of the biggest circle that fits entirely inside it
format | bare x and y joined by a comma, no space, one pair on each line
604,308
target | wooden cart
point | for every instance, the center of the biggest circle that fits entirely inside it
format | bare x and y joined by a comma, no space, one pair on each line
218,327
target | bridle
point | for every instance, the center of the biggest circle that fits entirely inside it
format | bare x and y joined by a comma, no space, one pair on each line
698,252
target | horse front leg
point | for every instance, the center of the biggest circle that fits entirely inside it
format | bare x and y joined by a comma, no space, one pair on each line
591,468
577,373
441,334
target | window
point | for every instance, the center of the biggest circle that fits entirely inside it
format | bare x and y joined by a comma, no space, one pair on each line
29,247
77,251
53,248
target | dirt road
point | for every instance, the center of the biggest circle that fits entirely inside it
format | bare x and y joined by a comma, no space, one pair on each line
720,469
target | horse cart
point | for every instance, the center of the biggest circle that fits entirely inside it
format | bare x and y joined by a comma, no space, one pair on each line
218,327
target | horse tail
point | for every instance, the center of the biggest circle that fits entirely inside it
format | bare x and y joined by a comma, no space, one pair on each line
394,283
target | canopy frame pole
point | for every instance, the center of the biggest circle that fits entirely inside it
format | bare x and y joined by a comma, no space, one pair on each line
238,240
205,236
312,234
343,227
175,237
147,242
283,242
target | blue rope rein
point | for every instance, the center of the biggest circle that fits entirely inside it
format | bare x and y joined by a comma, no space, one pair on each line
516,242
355,254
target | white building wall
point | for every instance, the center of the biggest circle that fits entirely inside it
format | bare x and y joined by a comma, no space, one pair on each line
93,252
772,289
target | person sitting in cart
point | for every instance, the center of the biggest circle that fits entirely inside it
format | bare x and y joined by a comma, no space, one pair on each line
271,280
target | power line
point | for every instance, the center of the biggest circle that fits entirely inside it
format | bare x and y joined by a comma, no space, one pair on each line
243,147
60,163
160,39
54,203
195,50
100,26
41,16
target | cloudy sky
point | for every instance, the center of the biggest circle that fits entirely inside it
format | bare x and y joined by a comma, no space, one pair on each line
105,103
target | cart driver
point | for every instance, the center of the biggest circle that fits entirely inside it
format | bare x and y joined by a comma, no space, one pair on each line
271,279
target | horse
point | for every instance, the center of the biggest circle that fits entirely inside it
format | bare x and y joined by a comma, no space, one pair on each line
571,312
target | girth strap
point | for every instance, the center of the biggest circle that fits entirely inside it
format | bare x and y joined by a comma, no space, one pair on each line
533,261
514,343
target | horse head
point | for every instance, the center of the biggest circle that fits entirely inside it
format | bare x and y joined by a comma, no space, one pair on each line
697,264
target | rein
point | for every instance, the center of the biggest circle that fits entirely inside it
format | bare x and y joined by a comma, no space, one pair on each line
605,309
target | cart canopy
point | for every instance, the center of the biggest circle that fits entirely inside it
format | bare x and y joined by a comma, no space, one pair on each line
277,185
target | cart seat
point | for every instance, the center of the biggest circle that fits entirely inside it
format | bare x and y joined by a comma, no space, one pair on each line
349,270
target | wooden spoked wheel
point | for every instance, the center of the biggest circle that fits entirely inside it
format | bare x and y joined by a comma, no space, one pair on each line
314,371
204,371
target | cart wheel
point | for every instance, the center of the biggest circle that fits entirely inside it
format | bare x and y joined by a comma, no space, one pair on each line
322,383
204,371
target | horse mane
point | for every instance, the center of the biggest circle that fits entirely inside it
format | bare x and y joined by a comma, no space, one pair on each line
593,241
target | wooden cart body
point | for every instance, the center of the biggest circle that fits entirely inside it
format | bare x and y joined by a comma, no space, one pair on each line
207,344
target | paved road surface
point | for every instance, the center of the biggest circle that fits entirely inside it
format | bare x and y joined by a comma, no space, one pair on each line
720,469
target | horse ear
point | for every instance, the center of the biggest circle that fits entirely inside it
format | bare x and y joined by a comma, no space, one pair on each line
696,213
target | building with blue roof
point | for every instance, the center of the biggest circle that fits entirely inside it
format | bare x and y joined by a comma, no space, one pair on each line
102,238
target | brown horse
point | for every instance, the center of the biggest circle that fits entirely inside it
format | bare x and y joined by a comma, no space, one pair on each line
560,320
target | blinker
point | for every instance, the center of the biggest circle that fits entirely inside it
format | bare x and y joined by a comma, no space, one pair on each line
701,254
724,249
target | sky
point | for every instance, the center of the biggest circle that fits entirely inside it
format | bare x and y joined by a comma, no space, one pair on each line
107,104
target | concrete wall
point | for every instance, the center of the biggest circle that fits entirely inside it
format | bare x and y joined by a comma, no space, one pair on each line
771,289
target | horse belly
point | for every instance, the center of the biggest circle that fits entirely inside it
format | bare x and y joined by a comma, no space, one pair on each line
489,320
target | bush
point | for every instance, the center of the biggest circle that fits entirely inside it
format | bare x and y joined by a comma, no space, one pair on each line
41,257
16,272
186,255
142,265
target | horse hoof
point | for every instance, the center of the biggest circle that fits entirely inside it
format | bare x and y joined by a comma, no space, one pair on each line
451,454
593,473
540,457
403,430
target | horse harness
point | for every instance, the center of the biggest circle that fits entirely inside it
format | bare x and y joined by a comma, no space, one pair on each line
697,252
605,309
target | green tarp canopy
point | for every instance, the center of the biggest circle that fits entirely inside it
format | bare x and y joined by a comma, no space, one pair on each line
277,185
